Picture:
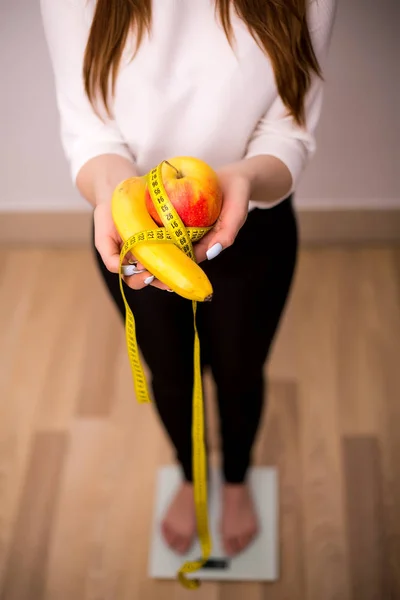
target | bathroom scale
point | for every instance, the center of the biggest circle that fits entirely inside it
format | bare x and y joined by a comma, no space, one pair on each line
259,562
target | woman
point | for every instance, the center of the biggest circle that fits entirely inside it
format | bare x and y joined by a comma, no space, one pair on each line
238,84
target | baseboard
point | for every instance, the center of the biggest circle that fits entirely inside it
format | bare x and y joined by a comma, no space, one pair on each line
46,228
358,226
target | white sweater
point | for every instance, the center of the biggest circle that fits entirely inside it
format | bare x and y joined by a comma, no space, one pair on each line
185,93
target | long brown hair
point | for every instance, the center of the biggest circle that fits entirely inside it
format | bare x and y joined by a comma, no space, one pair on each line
278,26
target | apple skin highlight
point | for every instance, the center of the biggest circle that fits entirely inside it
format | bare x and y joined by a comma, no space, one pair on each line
193,189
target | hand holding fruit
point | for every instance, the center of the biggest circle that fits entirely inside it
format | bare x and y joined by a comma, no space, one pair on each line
196,192
108,243
235,188
192,188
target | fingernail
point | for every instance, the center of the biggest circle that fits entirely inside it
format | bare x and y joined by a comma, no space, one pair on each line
149,280
129,270
170,291
214,251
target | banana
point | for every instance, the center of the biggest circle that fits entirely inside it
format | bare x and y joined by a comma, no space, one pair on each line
165,261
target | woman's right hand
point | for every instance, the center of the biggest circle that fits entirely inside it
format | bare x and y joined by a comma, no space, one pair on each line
108,243
96,181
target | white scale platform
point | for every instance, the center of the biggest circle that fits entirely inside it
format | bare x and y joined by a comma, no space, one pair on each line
259,562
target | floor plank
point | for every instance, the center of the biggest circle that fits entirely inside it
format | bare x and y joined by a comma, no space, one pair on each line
13,444
358,413
363,476
65,363
30,337
103,329
279,445
26,567
237,591
97,534
385,346
316,306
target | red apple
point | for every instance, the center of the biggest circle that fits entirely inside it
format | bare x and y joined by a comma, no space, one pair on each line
193,189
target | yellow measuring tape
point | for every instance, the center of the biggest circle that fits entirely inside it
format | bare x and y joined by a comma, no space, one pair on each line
174,231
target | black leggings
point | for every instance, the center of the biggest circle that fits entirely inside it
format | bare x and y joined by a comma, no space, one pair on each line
251,281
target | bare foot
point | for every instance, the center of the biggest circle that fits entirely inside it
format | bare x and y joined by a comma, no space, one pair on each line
179,524
239,523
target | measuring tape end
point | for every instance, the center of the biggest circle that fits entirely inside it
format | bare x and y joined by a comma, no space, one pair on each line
189,584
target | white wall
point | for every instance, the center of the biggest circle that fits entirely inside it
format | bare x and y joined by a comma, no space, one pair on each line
358,135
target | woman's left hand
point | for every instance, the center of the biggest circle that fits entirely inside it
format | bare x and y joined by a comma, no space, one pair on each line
235,201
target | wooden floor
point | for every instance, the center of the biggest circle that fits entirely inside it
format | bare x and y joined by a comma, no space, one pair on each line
78,456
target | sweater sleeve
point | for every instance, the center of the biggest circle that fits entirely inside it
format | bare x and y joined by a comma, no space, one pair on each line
276,133
83,134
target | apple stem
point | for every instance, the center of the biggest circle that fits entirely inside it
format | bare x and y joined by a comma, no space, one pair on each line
179,174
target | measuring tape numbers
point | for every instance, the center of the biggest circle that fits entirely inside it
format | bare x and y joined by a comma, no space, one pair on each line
175,232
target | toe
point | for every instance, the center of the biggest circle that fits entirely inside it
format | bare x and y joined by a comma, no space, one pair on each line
244,541
182,544
225,544
175,543
231,546
164,530
235,543
168,535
